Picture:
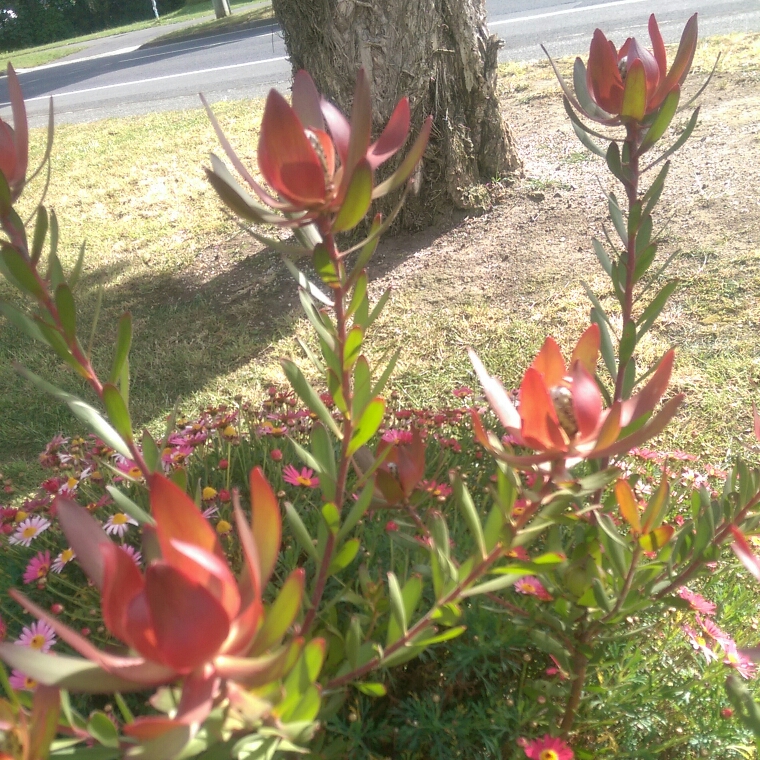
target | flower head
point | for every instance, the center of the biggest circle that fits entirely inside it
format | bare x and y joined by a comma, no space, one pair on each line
39,635
630,84
532,586
62,560
305,478
21,682
697,601
313,158
560,411
185,616
118,524
548,748
28,530
38,567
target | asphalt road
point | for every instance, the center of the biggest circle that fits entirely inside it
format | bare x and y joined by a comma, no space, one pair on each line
124,81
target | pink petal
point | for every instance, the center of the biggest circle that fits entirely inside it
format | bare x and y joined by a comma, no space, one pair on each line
393,136
603,78
306,101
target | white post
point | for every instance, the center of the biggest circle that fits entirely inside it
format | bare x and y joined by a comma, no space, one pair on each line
155,9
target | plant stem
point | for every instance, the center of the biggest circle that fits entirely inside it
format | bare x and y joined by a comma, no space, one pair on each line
632,140
580,665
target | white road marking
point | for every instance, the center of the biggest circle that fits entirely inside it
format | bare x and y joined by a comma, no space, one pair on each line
589,8
59,95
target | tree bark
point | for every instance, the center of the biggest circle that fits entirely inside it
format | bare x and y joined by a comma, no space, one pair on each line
221,8
440,54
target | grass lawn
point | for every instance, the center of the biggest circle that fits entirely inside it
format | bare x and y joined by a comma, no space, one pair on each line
244,11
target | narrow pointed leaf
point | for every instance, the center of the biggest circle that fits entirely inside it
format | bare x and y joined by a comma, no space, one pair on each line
368,424
309,396
357,200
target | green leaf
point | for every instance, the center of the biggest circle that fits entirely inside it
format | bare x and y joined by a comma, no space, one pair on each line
367,425
662,120
281,614
600,595
102,729
345,556
352,347
644,234
627,341
634,219
685,135
300,532
498,583
327,334
362,387
64,303
309,396
55,275
150,451
655,189
304,282
125,504
21,273
83,411
76,272
359,294
410,598
602,256
469,513
357,511
377,310
644,261
18,318
368,248
656,305
397,603
371,689
387,372
408,165
447,635
40,233
123,344
331,516
325,266
324,453
117,411
617,216
357,200
608,352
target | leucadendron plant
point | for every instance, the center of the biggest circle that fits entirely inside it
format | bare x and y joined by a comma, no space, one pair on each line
246,655
571,426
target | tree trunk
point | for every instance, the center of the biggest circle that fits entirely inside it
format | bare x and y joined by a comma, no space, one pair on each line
437,52
221,8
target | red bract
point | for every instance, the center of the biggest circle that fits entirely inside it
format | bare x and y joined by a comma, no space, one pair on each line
560,411
186,617
14,141
317,162
632,83
402,469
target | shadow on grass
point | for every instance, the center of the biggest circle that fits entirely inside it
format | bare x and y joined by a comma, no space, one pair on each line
190,328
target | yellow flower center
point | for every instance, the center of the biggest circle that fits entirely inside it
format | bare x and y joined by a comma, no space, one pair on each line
230,431
209,493
67,555
548,754
134,472
30,531
302,481
223,527
119,519
20,516
29,683
72,482
37,642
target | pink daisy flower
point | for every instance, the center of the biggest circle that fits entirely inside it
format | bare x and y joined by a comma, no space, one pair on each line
304,478
38,567
439,490
38,635
699,643
739,662
531,586
118,524
28,530
397,437
548,748
134,555
62,559
20,682
697,601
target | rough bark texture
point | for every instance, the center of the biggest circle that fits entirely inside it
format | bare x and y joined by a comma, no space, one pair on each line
440,54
